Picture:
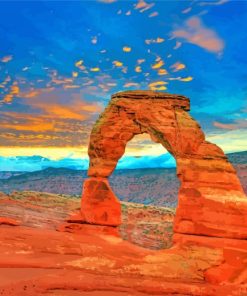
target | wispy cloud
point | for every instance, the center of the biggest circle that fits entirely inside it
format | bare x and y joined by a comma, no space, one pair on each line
183,79
131,84
207,3
107,1
156,40
195,32
143,5
154,14
237,124
186,10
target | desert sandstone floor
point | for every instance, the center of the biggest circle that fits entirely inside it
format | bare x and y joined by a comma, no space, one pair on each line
42,254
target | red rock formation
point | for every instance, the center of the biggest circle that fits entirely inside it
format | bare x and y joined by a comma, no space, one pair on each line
100,205
211,199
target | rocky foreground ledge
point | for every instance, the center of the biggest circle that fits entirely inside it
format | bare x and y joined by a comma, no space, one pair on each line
41,254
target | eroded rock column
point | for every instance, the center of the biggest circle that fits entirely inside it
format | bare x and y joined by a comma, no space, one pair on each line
110,134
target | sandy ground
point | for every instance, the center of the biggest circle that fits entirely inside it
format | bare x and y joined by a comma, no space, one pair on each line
44,255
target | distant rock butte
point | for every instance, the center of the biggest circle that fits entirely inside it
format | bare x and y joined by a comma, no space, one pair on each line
211,198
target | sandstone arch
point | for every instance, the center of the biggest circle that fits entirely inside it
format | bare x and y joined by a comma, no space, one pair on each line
211,200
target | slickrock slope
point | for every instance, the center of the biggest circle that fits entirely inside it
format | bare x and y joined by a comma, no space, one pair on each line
147,226
95,260
211,198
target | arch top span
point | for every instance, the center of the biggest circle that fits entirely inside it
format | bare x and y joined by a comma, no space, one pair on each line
163,116
210,191
175,100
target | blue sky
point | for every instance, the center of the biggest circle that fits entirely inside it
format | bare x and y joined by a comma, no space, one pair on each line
60,62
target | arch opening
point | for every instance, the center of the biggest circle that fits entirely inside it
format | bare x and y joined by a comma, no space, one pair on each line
146,174
146,183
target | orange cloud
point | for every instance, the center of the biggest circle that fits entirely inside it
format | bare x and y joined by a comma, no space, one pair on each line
162,72
117,63
107,1
55,122
27,122
95,69
6,59
140,61
69,86
143,6
138,69
79,65
55,117
186,79
52,113
158,85
75,110
158,65
196,33
177,66
59,111
8,98
126,49
32,93
62,80
14,91
157,40
131,84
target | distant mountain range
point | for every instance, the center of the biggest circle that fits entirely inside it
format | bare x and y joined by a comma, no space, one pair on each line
157,186
149,186
36,163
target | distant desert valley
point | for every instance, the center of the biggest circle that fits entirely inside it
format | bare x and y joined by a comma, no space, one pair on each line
158,187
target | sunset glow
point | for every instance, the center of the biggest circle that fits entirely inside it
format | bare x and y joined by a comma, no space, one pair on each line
61,62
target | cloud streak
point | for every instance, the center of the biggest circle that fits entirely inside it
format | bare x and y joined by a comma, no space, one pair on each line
195,32
238,124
